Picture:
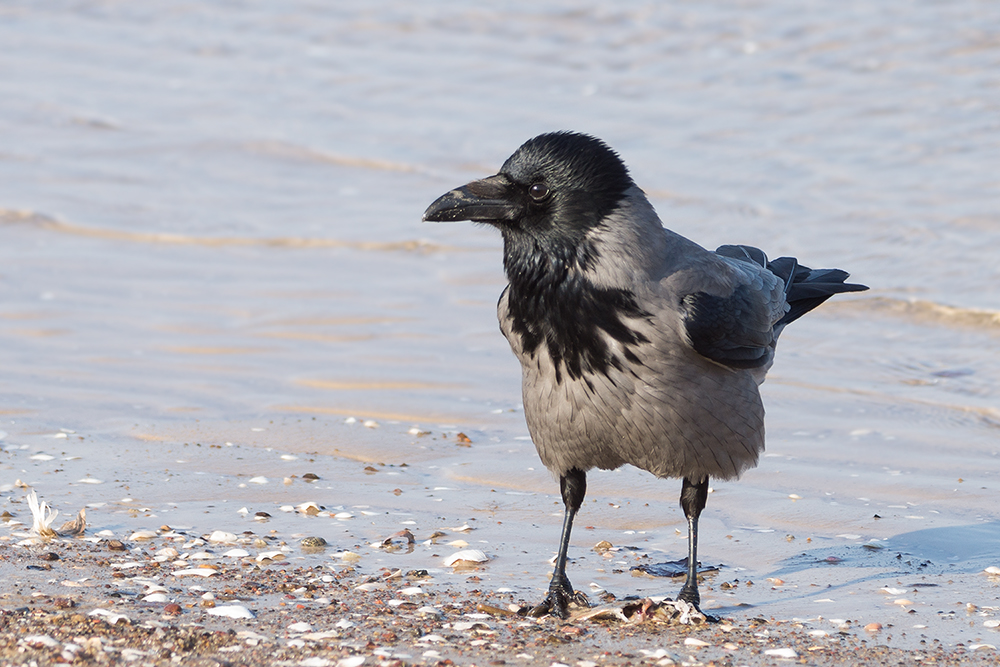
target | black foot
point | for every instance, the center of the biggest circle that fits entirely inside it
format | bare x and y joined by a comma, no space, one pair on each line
557,602
693,598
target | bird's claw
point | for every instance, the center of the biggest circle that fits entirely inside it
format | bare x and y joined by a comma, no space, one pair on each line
558,601
693,598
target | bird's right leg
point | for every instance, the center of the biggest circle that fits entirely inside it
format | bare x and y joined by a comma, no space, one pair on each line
573,486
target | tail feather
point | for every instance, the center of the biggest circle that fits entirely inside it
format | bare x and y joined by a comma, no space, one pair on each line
807,288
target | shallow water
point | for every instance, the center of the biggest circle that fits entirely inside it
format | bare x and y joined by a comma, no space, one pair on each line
209,234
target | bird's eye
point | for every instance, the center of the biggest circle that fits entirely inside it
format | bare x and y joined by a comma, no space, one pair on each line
538,191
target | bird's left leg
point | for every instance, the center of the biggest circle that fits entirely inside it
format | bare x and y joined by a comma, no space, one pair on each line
694,496
573,486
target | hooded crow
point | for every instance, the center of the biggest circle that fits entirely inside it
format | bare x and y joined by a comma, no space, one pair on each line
636,345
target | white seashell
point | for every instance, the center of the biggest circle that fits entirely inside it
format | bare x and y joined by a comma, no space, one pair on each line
893,591
819,633
195,572
412,590
155,597
201,555
430,611
353,661
458,544
301,626
469,555
109,616
89,480
692,641
42,457
36,641
992,569
343,624
782,653
125,566
236,553
140,535
222,536
258,480
270,555
343,515
167,553
993,623
231,611
370,586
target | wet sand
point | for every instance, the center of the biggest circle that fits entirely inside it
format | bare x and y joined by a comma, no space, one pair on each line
372,592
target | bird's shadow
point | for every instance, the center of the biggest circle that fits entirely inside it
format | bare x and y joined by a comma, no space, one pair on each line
965,548
931,551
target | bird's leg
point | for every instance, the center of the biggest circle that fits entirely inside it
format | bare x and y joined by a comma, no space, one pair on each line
573,486
694,495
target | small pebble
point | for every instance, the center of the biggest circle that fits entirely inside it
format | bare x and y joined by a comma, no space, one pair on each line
313,542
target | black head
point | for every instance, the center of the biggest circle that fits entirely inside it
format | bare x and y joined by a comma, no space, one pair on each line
545,198
557,185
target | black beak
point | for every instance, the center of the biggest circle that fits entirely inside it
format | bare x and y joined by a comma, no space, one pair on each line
492,200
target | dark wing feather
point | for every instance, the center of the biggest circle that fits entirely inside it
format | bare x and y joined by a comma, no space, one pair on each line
722,328
807,288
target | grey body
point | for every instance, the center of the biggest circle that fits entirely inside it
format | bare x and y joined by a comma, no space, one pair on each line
677,413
